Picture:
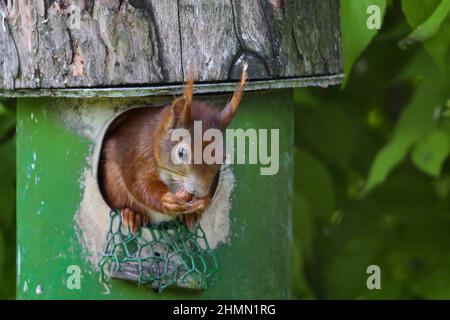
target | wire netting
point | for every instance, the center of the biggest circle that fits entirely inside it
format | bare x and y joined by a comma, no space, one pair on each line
169,254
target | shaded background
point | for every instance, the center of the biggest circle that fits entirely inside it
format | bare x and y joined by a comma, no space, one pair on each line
372,175
7,199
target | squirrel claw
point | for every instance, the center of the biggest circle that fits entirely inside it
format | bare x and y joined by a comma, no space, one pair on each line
191,220
133,220
199,204
195,211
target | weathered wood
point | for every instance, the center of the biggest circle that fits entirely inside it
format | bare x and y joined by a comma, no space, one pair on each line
207,38
72,44
306,30
165,16
172,89
254,36
131,271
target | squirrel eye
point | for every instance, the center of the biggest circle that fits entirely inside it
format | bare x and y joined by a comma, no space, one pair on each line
181,152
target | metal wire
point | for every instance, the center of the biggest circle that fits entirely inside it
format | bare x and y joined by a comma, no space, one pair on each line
160,256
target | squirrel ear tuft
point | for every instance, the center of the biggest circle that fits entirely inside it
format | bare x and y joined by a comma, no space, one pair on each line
181,107
189,87
181,112
227,114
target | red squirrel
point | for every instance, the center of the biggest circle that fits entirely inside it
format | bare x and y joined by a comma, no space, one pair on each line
136,169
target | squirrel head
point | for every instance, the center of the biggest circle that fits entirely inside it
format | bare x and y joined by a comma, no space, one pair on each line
176,156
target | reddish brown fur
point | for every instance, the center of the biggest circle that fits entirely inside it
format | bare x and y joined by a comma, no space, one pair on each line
139,145
130,174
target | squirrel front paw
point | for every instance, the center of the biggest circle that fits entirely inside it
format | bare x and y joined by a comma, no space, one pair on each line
199,204
173,205
133,220
195,211
181,203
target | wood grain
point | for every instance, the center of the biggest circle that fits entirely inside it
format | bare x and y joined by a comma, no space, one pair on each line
91,44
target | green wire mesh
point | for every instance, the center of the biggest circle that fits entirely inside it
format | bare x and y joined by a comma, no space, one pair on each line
159,256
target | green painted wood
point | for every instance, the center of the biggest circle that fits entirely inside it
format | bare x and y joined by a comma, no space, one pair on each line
51,157
117,92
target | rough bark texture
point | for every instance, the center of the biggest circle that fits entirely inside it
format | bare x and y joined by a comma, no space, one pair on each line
123,43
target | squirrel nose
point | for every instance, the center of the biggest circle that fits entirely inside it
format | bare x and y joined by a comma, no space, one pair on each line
197,191
195,187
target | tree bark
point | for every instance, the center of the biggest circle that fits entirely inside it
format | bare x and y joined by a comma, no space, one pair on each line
75,44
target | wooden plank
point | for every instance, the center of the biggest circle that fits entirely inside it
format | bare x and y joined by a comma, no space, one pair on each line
165,16
131,43
208,40
171,90
77,44
9,60
308,36
255,40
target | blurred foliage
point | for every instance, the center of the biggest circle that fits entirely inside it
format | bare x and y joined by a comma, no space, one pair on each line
7,199
355,42
372,173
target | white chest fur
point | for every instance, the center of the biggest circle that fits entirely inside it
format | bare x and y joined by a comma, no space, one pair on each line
158,217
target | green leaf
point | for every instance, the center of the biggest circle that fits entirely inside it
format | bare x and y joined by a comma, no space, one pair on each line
434,283
303,223
7,185
304,97
389,229
7,124
314,182
415,121
390,156
300,283
430,27
355,244
356,36
3,110
328,131
430,20
419,66
431,151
